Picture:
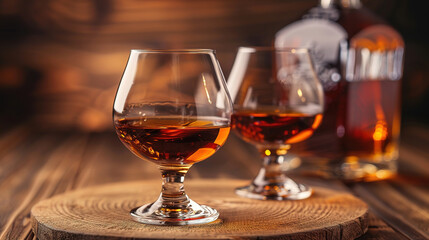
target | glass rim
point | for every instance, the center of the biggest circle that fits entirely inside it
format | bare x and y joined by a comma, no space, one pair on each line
251,49
184,50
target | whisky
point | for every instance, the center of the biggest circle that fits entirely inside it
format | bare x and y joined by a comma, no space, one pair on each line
370,128
173,141
270,129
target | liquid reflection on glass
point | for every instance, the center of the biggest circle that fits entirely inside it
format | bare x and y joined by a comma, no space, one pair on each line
278,101
172,108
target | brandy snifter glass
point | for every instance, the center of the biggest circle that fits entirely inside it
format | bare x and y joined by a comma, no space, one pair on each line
172,108
278,101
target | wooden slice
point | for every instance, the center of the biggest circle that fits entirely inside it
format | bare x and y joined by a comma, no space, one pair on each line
102,212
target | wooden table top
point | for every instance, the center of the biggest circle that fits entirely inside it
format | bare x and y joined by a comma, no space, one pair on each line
38,165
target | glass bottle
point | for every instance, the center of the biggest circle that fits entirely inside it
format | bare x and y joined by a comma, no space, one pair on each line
358,58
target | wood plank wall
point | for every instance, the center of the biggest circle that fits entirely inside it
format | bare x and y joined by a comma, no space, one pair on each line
61,60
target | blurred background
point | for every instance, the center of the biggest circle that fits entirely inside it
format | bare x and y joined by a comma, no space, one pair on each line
61,60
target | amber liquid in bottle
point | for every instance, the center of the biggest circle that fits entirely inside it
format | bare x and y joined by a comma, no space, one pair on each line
371,126
275,128
173,141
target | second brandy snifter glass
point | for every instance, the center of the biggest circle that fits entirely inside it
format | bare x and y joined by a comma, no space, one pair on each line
278,101
172,108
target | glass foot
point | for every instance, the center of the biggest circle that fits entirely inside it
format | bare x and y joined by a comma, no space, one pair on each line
275,191
163,215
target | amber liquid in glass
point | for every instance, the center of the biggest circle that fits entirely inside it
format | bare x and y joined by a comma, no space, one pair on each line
275,128
173,141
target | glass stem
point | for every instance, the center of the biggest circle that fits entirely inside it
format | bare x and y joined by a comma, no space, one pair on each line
272,167
271,170
173,198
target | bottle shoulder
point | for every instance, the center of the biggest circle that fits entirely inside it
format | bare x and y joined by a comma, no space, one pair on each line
378,37
344,21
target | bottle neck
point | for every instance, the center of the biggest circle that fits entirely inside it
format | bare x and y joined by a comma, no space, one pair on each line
341,3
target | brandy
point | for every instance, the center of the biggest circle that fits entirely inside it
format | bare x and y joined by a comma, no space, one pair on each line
173,141
275,128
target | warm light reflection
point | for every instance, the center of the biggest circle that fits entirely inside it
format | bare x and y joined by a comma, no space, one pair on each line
300,136
383,174
201,154
317,121
369,168
222,136
205,89
281,152
380,132
351,159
